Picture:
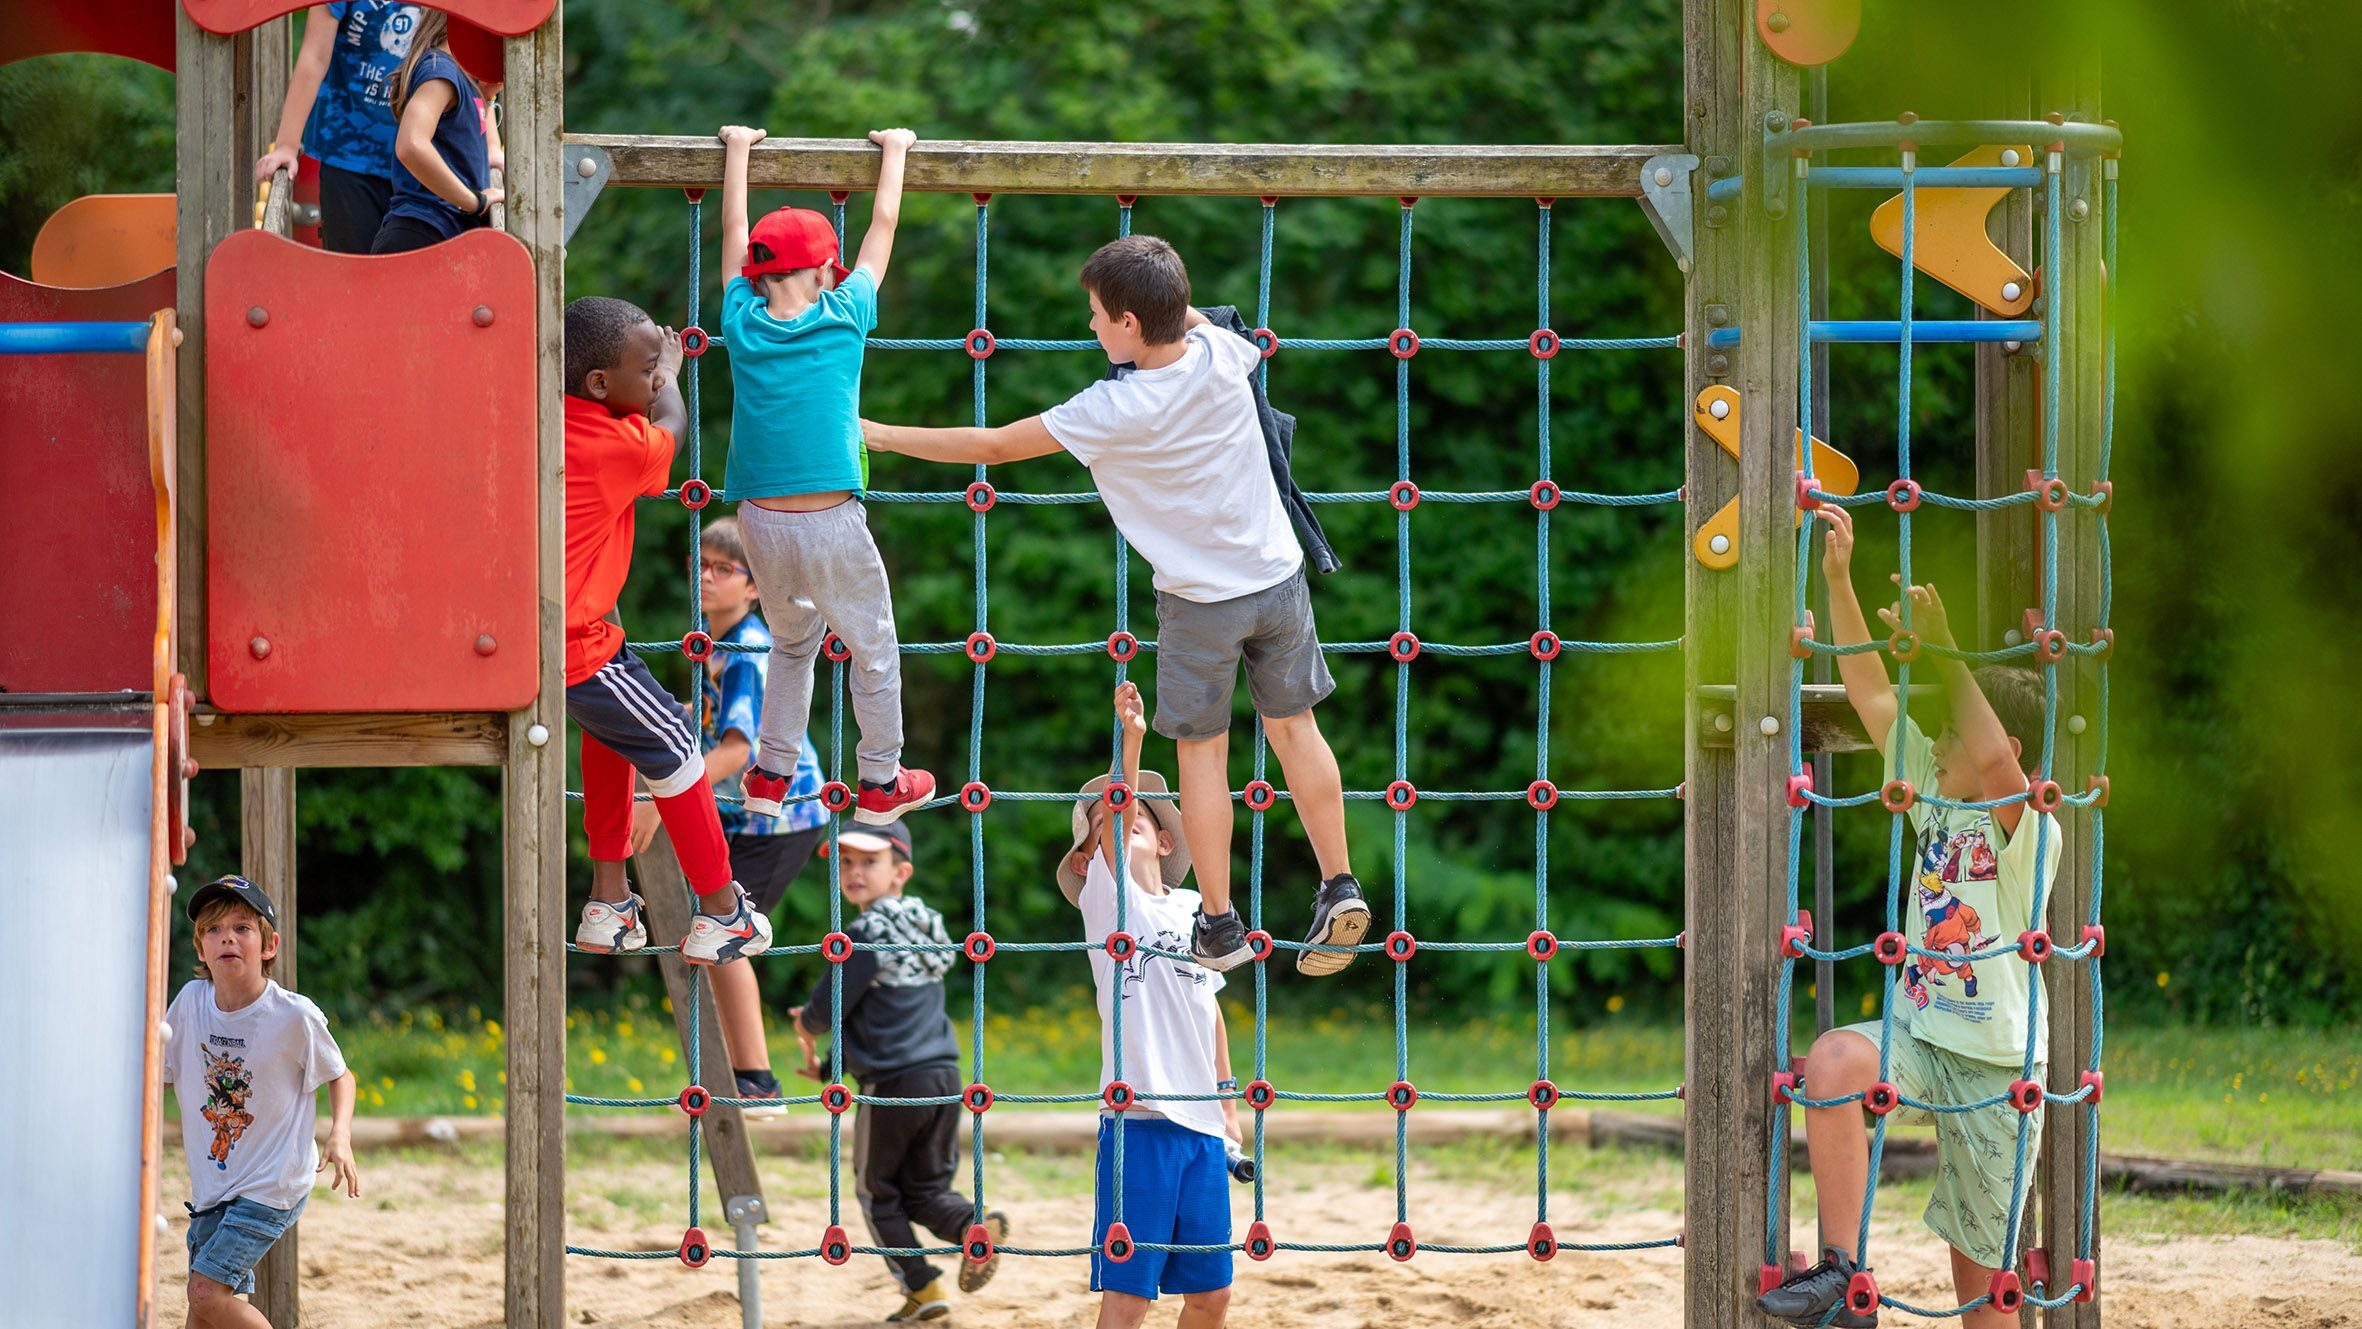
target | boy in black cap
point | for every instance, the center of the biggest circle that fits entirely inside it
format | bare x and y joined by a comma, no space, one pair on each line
245,1056
895,1039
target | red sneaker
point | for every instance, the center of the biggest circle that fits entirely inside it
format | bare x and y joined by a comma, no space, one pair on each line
877,807
764,792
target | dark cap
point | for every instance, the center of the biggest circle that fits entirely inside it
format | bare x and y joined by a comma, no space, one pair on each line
237,888
871,839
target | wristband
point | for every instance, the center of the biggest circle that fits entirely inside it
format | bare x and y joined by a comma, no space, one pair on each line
483,204
1224,1086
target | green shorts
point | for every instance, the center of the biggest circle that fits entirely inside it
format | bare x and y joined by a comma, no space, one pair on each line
1976,1152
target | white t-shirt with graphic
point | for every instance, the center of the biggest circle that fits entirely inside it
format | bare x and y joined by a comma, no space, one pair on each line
245,1080
1170,1015
1972,887
1180,461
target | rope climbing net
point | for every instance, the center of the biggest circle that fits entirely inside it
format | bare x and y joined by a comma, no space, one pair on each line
2041,642
1122,647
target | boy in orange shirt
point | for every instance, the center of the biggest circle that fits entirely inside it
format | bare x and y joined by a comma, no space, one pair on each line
621,410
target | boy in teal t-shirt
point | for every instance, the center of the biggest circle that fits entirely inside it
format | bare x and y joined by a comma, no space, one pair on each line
796,323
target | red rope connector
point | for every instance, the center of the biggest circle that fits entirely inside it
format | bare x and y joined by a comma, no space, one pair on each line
1545,645
1861,1293
1400,1244
1401,1095
977,1098
2095,1081
1768,1277
981,647
1541,1243
1541,795
979,947
1805,502
981,496
1259,795
2005,1292
981,198
698,646
2045,796
695,194
836,948
1784,1086
2095,936
1118,1246
1126,200
1269,200
1117,1095
2103,641
835,1248
1544,495
975,796
1122,646
1541,945
1258,1243
1401,795
839,196
1403,342
2034,945
1260,1095
695,494
1797,637
979,344
2025,1095
1799,785
1543,1095
834,650
1897,796
1122,946
1903,646
2050,492
976,1245
1116,795
1407,200
837,1099
1543,344
836,796
2050,645
1403,646
1882,1098
1403,495
2085,1275
694,1250
1401,946
1259,944
694,342
1797,935
2105,492
695,1100
1266,342
1903,495
1891,948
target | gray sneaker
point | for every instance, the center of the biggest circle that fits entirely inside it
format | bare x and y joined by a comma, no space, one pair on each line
1340,917
1219,941
1816,1297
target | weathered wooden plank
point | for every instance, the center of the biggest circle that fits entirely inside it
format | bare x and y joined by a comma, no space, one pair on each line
1829,723
266,856
1286,169
221,742
205,96
533,787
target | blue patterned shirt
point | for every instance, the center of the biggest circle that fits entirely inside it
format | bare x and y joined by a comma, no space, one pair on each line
735,702
352,122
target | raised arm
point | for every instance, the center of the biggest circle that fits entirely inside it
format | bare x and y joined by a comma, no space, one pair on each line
668,409
2000,769
1128,714
737,142
877,245
303,88
1867,687
969,446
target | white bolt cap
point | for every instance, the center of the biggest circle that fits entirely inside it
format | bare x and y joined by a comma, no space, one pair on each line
1770,725
163,1031
586,168
1719,409
1720,544
2076,724
1722,723
2009,156
538,735
2011,290
2012,637
161,1225
171,884
1664,177
2011,346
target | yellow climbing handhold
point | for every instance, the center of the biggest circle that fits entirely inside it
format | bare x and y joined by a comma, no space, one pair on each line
1717,412
1951,244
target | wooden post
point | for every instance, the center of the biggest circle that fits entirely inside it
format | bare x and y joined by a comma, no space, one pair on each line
533,785
2007,419
2073,278
266,811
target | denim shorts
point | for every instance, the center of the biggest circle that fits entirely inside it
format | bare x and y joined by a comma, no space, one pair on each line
1199,648
229,1239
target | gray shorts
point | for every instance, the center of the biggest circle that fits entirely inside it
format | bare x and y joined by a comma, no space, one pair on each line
1199,647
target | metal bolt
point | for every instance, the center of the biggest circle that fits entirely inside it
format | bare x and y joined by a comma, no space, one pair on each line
1718,315
1778,22
2011,346
585,167
1663,176
1718,365
2011,290
1720,544
260,647
1722,723
482,316
485,645
2078,210
1717,215
2012,637
1769,724
2076,724
1720,409
257,316
2009,156
1776,122
538,735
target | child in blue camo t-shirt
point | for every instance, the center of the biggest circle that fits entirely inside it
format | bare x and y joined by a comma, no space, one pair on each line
340,109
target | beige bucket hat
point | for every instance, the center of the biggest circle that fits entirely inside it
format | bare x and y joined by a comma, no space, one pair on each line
1168,820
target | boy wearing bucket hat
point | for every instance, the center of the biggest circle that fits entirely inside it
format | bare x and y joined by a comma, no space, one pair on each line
244,1057
796,322
1175,1053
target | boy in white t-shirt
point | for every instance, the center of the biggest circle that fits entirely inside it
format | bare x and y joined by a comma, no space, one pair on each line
1177,451
245,1056
1173,1068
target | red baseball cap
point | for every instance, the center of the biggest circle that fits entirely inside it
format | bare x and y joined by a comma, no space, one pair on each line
797,238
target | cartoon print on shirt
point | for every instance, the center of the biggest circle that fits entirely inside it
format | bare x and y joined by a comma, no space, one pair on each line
1132,971
1954,930
227,1085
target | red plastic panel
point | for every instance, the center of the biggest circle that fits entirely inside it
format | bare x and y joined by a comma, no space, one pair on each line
140,29
509,18
77,508
370,476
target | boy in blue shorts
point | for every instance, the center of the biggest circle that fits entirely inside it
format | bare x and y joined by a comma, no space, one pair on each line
1176,1173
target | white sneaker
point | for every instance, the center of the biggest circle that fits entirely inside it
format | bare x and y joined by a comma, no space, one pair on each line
738,935
607,928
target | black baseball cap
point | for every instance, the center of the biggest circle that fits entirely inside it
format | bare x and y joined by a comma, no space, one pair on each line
870,839
236,888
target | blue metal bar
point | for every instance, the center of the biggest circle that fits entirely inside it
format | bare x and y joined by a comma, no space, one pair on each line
1888,330
73,338
1890,177
1726,189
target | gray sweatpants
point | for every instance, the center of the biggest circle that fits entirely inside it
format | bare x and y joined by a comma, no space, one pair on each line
817,571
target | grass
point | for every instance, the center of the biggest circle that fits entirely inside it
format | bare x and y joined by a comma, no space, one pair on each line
2269,1096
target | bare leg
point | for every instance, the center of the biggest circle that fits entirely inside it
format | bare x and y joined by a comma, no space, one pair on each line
1122,1310
1317,790
214,1306
1841,1063
1204,766
1973,1280
608,883
1204,1310
738,1002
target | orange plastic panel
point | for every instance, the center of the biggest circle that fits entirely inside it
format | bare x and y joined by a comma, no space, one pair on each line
139,29
509,18
105,240
77,511
1952,245
1833,473
1808,32
370,473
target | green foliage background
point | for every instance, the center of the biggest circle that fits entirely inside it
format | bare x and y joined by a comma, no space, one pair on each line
2231,890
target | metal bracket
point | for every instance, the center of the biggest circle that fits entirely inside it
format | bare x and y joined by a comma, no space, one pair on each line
1778,164
1665,201
586,170
741,1209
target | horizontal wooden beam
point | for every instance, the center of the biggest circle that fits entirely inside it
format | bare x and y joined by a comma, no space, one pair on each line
1830,724
1288,169
222,742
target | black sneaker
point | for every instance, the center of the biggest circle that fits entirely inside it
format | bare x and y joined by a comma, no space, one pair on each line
1219,941
1807,1299
760,1085
1339,918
